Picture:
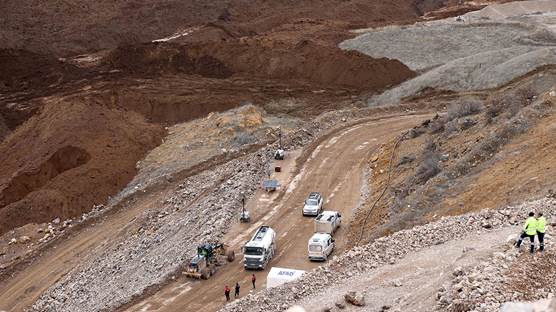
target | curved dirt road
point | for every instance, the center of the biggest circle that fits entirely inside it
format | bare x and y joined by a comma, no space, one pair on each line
335,169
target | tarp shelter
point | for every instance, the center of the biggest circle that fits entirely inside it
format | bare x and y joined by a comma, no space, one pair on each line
279,276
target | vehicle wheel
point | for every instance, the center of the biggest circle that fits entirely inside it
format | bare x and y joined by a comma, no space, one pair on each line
230,255
205,273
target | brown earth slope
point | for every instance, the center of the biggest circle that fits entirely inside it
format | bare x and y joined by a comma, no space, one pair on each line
489,150
73,27
68,157
236,52
306,61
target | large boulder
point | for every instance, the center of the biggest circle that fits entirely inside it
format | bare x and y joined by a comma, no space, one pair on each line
355,298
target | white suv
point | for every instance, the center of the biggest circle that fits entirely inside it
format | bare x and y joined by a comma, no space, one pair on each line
313,204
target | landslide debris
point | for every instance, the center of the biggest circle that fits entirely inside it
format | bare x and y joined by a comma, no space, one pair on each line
24,70
75,28
476,51
90,155
306,61
207,57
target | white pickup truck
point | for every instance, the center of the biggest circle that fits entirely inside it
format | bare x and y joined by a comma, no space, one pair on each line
328,222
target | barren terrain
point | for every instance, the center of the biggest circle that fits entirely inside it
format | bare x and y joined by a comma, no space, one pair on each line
131,131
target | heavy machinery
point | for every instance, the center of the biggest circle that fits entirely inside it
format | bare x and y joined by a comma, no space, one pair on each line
209,257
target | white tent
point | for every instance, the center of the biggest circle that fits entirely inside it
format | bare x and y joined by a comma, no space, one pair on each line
279,276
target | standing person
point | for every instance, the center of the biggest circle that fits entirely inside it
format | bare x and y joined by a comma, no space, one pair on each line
253,279
237,290
541,227
227,292
529,230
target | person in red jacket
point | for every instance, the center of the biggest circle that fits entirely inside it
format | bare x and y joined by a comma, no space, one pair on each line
253,279
227,292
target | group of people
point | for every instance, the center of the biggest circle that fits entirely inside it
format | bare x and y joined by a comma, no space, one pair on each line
533,227
227,289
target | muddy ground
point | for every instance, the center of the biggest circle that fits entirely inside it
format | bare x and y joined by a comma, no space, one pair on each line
99,60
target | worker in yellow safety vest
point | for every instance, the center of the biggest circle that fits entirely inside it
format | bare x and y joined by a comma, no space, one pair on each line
529,230
541,227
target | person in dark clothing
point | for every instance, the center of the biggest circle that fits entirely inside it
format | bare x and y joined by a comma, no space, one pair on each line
253,279
541,228
237,290
227,292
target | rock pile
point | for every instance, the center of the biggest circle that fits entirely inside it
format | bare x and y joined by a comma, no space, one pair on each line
507,276
381,252
200,210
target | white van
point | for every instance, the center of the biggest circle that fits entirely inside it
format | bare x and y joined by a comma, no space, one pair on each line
320,246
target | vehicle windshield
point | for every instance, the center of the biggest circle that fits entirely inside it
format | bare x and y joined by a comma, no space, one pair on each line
311,202
315,248
253,251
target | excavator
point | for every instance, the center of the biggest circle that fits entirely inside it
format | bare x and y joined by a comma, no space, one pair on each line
209,257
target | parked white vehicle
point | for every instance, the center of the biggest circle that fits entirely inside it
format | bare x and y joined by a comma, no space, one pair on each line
328,222
258,251
320,246
279,276
313,204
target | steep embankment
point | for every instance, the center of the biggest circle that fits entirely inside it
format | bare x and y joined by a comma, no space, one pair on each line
76,168
488,150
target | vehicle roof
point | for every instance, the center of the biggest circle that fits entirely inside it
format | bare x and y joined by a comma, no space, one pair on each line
326,215
261,238
314,195
319,237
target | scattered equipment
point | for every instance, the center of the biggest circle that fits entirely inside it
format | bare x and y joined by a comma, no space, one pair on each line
328,222
209,257
260,249
270,185
244,216
279,153
279,276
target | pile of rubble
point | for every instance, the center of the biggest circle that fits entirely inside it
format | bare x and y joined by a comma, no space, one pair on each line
507,276
201,209
381,252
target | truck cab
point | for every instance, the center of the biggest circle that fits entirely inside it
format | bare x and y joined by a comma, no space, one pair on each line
313,204
320,246
259,250
328,222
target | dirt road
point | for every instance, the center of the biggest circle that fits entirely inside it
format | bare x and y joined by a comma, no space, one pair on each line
413,282
334,169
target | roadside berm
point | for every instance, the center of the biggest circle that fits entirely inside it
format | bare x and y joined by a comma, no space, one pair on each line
460,263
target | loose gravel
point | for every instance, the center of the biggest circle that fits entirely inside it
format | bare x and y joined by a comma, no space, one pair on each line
381,252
